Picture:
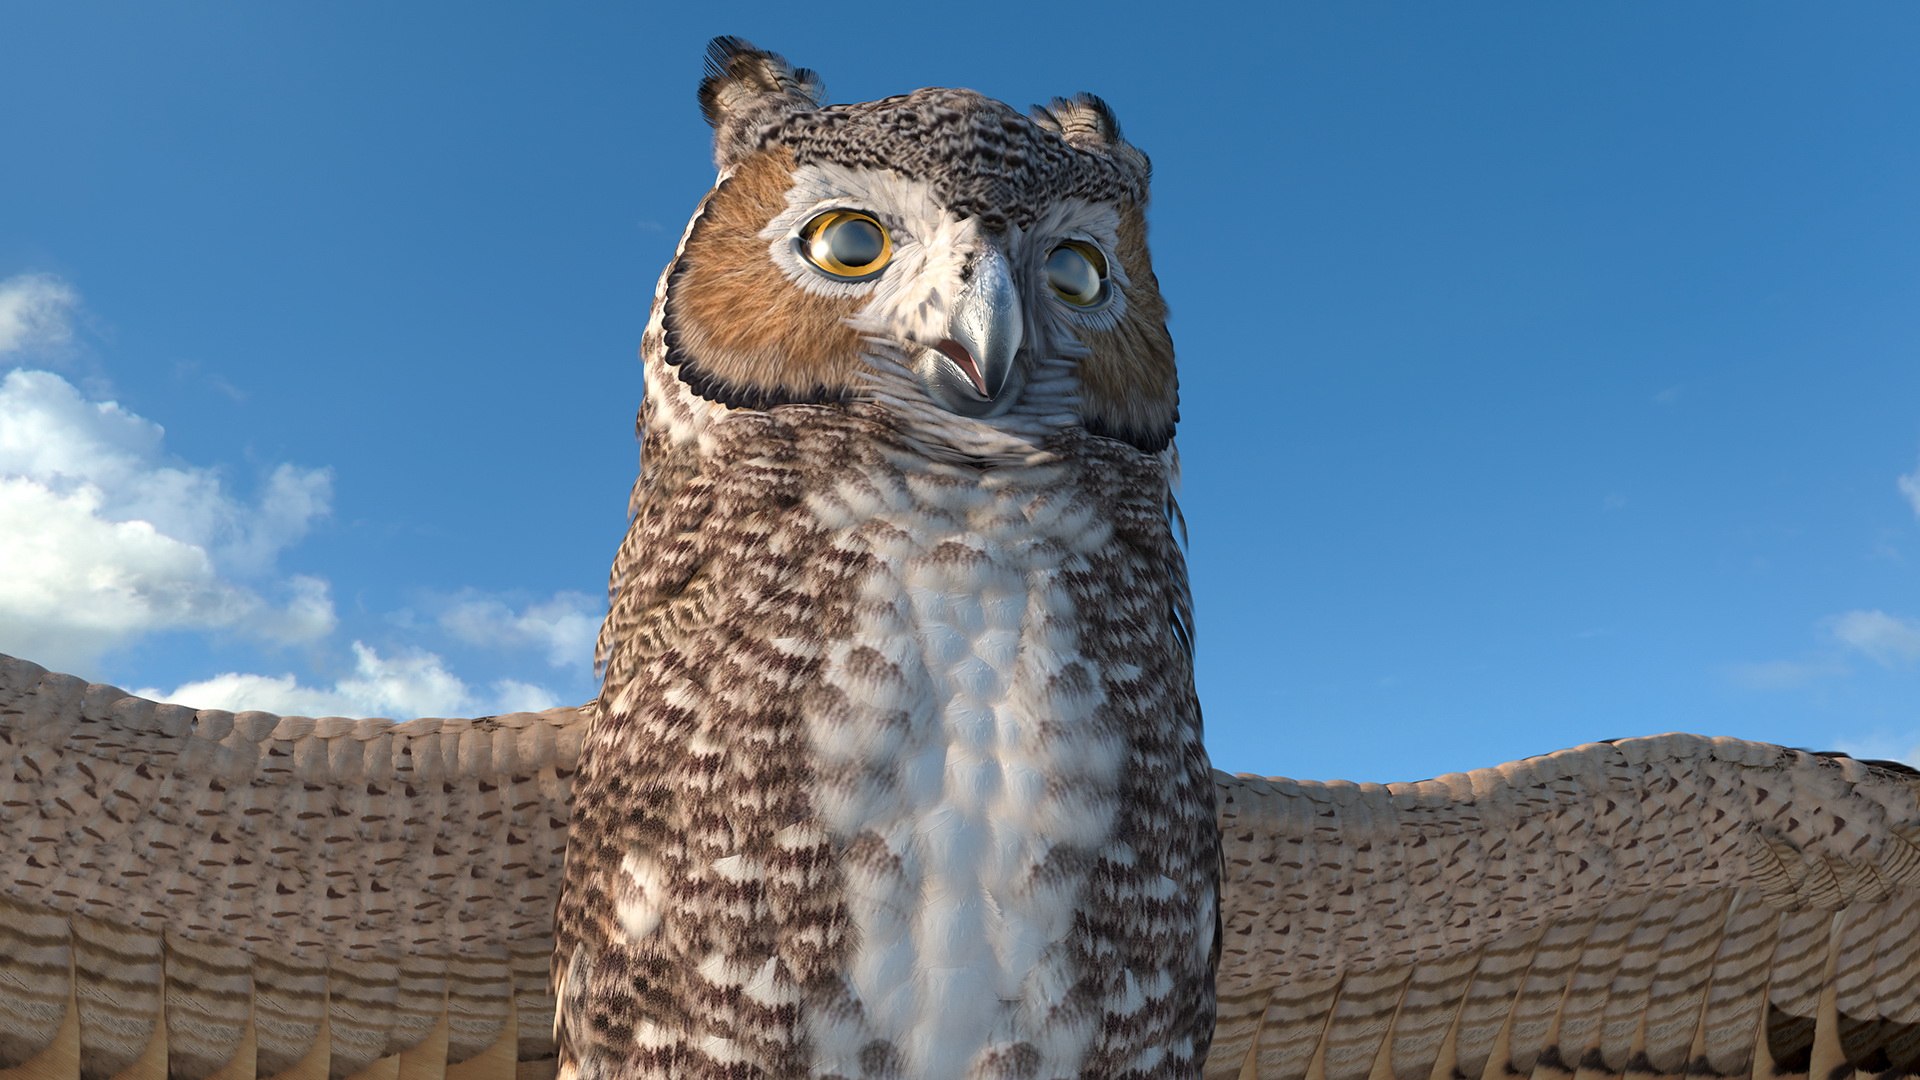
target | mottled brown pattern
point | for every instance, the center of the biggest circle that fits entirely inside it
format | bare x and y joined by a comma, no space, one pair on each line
702,760
1130,601
1747,871
659,589
746,89
1668,906
984,159
730,593
249,864
776,577
737,329
700,757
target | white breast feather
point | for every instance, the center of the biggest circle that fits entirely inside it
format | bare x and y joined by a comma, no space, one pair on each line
971,764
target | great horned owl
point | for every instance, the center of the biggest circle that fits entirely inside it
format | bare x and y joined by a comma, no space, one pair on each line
900,773
898,770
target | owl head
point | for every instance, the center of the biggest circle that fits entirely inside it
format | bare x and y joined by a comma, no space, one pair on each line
977,277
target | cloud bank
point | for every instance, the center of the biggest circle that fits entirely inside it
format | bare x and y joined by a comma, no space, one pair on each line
408,685
105,536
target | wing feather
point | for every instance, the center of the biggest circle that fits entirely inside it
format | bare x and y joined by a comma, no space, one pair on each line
1361,1020
203,894
1670,906
1736,988
1428,1012
209,1004
1499,972
1682,971
212,895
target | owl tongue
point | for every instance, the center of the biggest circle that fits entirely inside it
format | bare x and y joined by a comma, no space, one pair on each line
957,353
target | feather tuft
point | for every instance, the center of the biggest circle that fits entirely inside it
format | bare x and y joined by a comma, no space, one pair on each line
1086,122
745,89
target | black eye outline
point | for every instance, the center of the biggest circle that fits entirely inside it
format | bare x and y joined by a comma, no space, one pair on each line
814,243
1094,259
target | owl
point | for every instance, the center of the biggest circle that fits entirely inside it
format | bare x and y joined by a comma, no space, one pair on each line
900,772
897,767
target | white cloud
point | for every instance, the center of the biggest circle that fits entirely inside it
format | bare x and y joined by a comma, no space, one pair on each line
1910,487
1783,674
1882,747
1889,640
404,686
305,612
104,537
564,627
36,311
512,695
61,441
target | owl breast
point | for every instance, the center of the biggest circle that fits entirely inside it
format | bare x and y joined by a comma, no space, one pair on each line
966,764
900,776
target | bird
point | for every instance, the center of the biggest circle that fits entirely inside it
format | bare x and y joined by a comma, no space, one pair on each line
899,771
896,770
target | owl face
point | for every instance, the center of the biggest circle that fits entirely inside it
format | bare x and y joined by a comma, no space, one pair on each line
979,276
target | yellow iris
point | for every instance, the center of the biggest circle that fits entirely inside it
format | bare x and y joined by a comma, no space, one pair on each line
846,244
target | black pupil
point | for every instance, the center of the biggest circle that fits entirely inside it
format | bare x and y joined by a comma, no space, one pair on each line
855,242
1072,274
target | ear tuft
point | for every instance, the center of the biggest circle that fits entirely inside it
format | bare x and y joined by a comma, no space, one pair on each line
1087,123
747,89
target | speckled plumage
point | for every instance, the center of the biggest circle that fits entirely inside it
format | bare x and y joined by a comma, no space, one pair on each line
901,773
1671,906
899,703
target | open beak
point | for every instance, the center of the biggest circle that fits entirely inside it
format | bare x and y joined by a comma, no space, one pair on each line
968,370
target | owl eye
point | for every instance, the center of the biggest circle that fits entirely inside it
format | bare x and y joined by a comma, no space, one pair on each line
846,244
1078,273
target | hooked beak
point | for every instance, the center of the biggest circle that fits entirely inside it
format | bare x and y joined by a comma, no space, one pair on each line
969,369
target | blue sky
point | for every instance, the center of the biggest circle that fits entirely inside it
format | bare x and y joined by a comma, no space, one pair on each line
1549,372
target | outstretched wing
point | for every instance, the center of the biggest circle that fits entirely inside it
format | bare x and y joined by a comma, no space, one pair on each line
1666,906
189,894
195,894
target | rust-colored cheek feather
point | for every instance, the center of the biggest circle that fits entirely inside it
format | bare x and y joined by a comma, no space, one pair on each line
737,329
1131,390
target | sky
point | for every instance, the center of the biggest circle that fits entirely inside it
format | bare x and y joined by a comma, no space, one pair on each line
1549,373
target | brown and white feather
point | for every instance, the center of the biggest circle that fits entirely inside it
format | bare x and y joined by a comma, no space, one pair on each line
1729,850
321,894
897,771
1668,906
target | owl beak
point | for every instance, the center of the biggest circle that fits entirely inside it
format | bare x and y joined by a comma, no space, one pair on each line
984,332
